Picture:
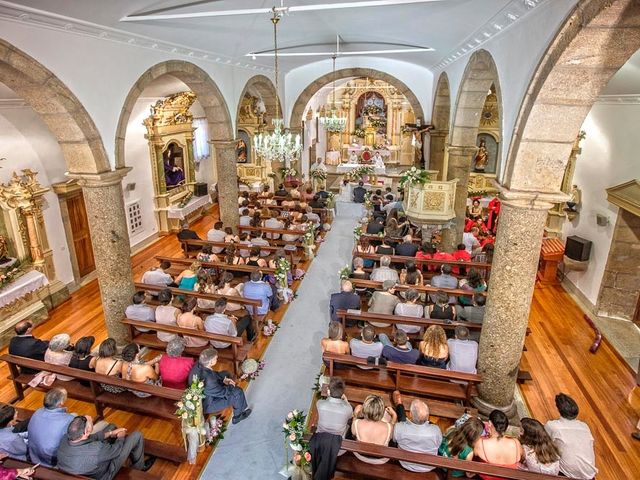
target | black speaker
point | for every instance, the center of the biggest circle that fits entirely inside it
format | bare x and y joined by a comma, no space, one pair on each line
200,189
578,248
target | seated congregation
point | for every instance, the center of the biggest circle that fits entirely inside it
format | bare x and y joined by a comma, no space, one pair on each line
190,320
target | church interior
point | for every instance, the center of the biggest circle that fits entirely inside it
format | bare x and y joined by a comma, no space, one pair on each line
313,239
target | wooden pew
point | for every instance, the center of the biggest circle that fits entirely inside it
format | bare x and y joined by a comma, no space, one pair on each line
44,473
187,253
236,352
276,231
190,293
421,289
161,403
427,381
323,213
357,469
219,267
483,268
344,315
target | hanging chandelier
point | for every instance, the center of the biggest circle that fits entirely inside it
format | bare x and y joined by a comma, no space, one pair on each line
333,122
281,144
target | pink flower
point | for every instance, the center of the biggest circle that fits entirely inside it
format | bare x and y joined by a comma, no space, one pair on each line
292,437
297,458
307,456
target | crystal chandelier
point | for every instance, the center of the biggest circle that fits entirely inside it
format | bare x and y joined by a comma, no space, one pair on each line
333,123
281,144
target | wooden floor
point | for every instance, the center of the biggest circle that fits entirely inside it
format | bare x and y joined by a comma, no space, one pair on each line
81,315
557,356
559,360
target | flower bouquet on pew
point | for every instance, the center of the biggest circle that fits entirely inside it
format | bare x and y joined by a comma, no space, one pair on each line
281,275
215,429
270,328
192,419
357,232
251,369
294,429
345,272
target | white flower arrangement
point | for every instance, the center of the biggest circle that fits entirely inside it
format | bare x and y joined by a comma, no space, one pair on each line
345,272
318,174
357,233
414,176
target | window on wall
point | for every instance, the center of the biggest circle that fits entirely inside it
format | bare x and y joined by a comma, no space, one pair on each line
134,215
200,139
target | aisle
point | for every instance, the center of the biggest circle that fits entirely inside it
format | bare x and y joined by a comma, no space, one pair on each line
253,449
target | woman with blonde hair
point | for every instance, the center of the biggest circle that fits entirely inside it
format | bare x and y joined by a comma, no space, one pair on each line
434,350
334,343
188,277
369,425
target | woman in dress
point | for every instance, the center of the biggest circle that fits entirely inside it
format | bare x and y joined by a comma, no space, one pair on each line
108,364
369,426
540,453
410,275
288,225
137,370
459,440
173,367
166,314
441,309
188,319
225,288
229,236
475,210
434,350
232,257
205,285
334,341
365,247
307,196
426,252
206,255
59,352
497,449
188,277
474,283
385,247
82,358
392,229
254,259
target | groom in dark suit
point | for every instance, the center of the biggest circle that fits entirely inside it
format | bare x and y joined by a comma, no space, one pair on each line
344,300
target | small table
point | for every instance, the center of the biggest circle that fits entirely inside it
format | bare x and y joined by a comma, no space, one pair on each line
194,204
22,286
551,255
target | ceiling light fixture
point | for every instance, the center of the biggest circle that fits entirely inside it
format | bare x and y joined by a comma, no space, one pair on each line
282,9
333,122
280,145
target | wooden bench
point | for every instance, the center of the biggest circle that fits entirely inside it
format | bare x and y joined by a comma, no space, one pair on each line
44,473
457,292
161,403
277,231
413,379
219,266
356,469
202,243
151,447
190,293
345,315
236,352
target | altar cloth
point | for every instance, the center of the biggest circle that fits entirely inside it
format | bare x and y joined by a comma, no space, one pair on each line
27,283
194,204
347,167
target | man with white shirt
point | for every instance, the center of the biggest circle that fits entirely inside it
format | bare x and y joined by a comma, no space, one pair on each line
574,440
365,346
245,218
471,243
383,272
258,241
225,325
416,435
463,352
216,234
158,276
274,223
334,412
138,310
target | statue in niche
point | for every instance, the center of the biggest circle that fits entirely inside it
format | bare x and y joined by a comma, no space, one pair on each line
482,158
241,151
172,159
575,200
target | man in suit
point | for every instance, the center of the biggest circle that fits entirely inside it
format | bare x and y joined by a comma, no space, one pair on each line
407,248
100,455
343,300
219,389
186,233
24,344
359,192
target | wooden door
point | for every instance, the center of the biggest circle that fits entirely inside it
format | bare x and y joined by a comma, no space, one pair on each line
81,236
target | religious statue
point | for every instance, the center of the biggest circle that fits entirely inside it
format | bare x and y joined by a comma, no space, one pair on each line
482,157
173,174
241,151
575,200
4,250
335,143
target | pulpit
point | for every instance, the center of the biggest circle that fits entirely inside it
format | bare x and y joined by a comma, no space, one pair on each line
432,202
550,256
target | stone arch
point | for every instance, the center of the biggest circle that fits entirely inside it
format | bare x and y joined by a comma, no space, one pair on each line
440,119
480,73
298,112
267,91
87,162
595,41
199,81
58,107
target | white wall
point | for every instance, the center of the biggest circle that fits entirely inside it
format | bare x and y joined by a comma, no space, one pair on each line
609,157
418,79
25,142
516,52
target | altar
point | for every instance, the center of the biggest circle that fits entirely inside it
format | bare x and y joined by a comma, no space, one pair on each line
193,205
22,286
348,167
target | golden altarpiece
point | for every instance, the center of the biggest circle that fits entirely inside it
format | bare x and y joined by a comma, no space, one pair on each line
25,246
170,134
252,169
371,130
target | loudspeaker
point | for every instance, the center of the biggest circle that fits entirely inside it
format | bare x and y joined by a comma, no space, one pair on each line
200,189
578,248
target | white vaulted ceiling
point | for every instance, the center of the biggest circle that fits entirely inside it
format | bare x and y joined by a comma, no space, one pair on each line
446,26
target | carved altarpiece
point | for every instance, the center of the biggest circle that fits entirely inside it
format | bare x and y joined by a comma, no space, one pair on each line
170,128
482,183
252,120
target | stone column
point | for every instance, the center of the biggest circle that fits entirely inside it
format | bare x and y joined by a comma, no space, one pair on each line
515,262
227,182
438,145
111,248
459,167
